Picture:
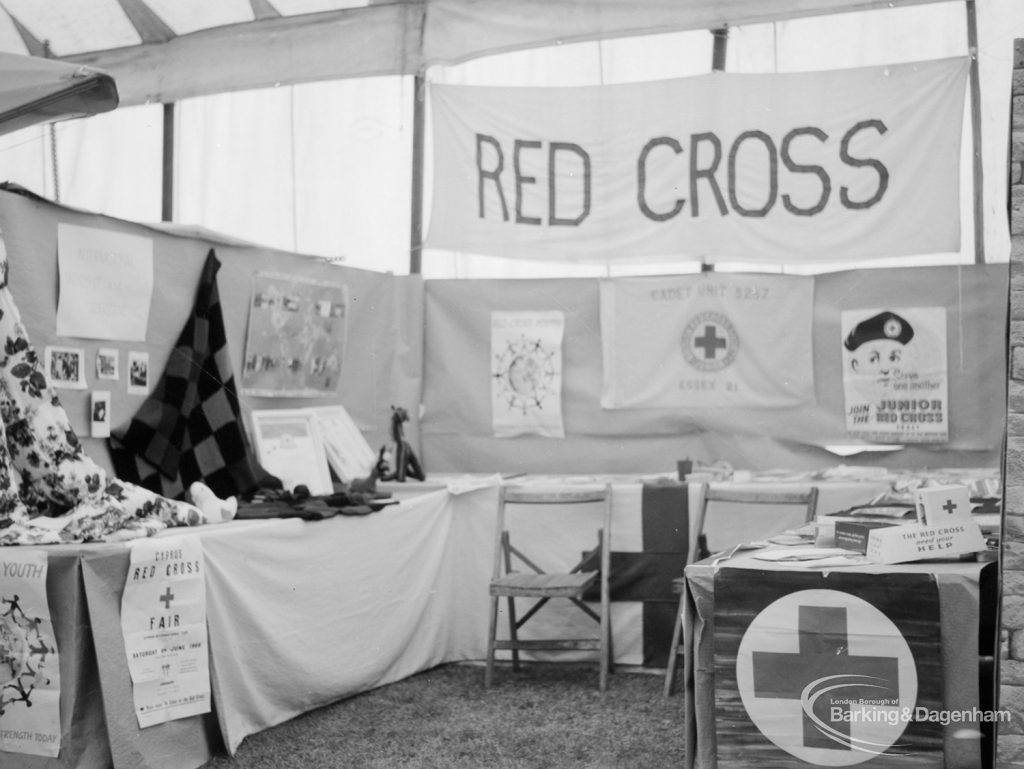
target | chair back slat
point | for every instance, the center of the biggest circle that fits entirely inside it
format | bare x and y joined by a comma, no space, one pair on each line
524,495
766,501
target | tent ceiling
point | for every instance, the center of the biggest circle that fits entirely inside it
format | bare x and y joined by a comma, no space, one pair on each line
35,90
164,50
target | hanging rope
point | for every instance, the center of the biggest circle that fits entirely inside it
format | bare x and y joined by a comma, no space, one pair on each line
53,140
53,162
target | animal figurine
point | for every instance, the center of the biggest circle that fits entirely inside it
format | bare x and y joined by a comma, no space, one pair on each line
406,465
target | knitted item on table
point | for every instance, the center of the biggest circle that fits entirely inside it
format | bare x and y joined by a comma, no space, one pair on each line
190,428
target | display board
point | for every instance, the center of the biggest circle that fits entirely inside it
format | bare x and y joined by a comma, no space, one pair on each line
381,365
456,428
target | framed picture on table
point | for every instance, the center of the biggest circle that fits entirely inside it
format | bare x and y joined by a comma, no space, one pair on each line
348,453
289,445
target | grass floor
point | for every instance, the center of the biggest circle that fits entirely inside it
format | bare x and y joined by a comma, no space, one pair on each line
546,716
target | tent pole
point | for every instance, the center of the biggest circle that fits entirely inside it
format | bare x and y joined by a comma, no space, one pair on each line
167,182
978,186
719,44
416,224
721,41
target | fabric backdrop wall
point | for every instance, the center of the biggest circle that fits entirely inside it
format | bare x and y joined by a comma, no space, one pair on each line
456,423
382,362
406,336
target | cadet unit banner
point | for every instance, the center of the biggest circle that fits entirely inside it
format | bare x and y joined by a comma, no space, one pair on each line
707,340
779,168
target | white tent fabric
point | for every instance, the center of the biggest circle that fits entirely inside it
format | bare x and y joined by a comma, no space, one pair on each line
35,90
324,167
166,50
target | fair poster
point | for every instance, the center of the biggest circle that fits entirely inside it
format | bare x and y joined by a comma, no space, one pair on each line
707,341
296,338
163,620
29,663
894,374
106,283
526,373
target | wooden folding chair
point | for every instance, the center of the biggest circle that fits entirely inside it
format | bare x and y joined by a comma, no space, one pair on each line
543,586
764,502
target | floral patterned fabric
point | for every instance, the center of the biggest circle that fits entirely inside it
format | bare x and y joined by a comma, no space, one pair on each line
50,491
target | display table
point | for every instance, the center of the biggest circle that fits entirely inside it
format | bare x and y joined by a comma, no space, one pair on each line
964,590
303,613
300,614
642,624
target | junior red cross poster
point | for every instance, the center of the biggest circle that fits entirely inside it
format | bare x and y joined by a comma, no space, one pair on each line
707,341
894,374
29,664
163,620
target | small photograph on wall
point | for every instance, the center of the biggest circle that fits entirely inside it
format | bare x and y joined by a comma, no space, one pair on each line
107,363
65,367
138,373
99,414
895,378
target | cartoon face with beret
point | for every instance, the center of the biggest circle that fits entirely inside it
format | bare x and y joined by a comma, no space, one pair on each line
876,346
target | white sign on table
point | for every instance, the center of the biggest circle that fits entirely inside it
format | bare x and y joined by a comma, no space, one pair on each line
30,673
163,619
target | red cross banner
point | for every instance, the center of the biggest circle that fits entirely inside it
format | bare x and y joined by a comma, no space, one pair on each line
778,168
163,621
826,670
707,340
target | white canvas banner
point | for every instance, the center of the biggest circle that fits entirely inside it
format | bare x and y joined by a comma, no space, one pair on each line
526,373
707,340
29,663
895,378
838,165
106,283
163,620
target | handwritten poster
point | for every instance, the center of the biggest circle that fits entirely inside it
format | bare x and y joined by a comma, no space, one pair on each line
163,620
29,664
296,338
526,373
106,283
894,374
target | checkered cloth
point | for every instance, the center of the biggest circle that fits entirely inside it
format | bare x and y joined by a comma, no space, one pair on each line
190,427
